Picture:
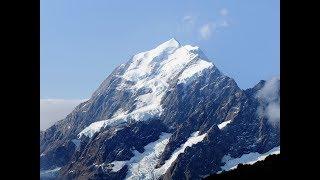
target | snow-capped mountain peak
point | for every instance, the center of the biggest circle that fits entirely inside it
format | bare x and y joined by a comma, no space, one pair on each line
153,72
167,59
166,64
145,58
171,43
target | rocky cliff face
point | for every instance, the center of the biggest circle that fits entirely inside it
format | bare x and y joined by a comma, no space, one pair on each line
168,113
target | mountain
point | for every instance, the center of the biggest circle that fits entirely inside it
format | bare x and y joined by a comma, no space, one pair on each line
167,113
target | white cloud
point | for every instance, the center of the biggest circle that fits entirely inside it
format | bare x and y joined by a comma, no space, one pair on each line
269,95
273,112
53,110
224,12
206,30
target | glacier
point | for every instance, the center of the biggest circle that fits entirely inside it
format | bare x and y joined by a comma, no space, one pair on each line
142,165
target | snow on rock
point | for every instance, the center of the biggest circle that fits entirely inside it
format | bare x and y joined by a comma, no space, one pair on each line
192,71
156,68
143,63
142,165
49,174
193,139
251,158
153,71
117,165
233,112
223,124
139,115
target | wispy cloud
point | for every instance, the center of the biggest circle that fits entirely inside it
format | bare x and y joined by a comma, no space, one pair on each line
53,110
269,96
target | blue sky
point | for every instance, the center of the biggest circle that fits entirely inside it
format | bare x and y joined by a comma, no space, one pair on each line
82,41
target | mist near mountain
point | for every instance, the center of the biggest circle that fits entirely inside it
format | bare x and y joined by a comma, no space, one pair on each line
53,110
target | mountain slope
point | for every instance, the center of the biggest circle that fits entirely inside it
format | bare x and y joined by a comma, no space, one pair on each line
168,113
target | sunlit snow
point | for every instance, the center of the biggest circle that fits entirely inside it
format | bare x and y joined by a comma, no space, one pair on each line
118,165
142,165
49,174
223,124
193,70
138,115
193,139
